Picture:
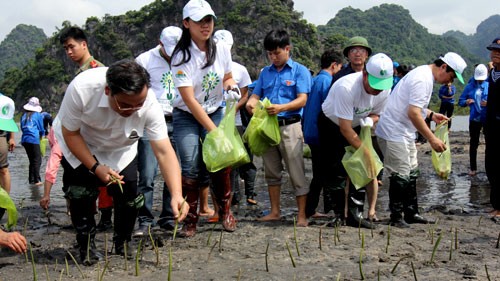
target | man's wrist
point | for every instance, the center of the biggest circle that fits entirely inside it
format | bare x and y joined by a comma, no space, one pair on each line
94,167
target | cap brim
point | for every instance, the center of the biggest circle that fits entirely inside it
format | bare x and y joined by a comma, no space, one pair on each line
200,16
169,50
459,77
380,84
8,125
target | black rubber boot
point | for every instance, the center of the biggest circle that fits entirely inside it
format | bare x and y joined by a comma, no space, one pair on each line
355,205
333,196
82,216
338,206
105,222
410,202
397,190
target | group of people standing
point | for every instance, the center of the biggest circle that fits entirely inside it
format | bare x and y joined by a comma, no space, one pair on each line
117,125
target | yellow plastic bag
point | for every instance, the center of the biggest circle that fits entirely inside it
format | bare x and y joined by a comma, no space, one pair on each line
8,204
362,165
223,146
43,146
262,131
441,161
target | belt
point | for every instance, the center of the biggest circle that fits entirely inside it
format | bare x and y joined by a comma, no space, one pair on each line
288,120
168,118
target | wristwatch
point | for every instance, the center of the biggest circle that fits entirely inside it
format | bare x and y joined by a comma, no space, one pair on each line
92,170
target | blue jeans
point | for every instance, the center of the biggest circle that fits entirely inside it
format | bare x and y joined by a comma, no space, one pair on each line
148,169
189,135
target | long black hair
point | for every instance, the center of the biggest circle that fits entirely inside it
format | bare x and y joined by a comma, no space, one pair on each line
185,42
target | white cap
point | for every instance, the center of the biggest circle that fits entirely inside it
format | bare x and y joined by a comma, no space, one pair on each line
7,109
197,10
169,37
380,71
481,72
456,62
33,105
224,36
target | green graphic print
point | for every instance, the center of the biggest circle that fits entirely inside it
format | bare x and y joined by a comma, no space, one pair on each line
210,81
168,85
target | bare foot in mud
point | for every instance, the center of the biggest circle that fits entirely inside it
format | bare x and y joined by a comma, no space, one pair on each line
207,213
495,213
270,217
319,215
302,222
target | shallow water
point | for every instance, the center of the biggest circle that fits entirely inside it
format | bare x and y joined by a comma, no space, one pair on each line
459,194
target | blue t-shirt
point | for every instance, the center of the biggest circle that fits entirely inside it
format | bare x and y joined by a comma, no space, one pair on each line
282,87
444,91
32,128
319,91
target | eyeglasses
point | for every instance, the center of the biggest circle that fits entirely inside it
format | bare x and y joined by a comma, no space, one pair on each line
129,108
357,50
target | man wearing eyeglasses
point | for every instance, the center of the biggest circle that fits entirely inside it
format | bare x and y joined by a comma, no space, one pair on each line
357,52
102,116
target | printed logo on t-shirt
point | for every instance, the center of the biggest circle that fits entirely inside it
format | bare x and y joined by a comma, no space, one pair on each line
210,81
362,111
180,74
168,84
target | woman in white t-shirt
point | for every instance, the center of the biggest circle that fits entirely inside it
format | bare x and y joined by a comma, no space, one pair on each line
201,70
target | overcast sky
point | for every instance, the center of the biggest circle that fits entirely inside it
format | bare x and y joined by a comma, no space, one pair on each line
438,16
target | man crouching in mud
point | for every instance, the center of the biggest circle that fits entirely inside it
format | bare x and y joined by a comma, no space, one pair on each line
103,114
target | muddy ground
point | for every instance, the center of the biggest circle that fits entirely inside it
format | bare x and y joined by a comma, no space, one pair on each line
465,239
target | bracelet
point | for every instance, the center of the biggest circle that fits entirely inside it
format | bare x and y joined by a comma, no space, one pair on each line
431,115
92,170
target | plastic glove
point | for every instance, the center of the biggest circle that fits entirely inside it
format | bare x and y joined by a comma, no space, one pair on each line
233,93
366,122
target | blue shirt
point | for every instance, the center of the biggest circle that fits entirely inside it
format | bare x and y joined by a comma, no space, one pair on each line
477,92
32,128
445,92
282,87
319,91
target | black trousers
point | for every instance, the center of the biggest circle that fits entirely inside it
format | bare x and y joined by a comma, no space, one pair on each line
474,133
125,215
492,155
35,158
447,108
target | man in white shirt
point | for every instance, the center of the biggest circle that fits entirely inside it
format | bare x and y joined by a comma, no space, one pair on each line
403,116
157,62
354,100
102,116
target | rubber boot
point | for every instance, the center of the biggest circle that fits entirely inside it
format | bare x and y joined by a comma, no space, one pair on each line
338,206
221,185
190,191
332,196
82,216
355,205
125,217
397,190
105,222
410,202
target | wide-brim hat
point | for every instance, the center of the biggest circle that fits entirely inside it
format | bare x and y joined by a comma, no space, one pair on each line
357,41
7,110
33,105
495,44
